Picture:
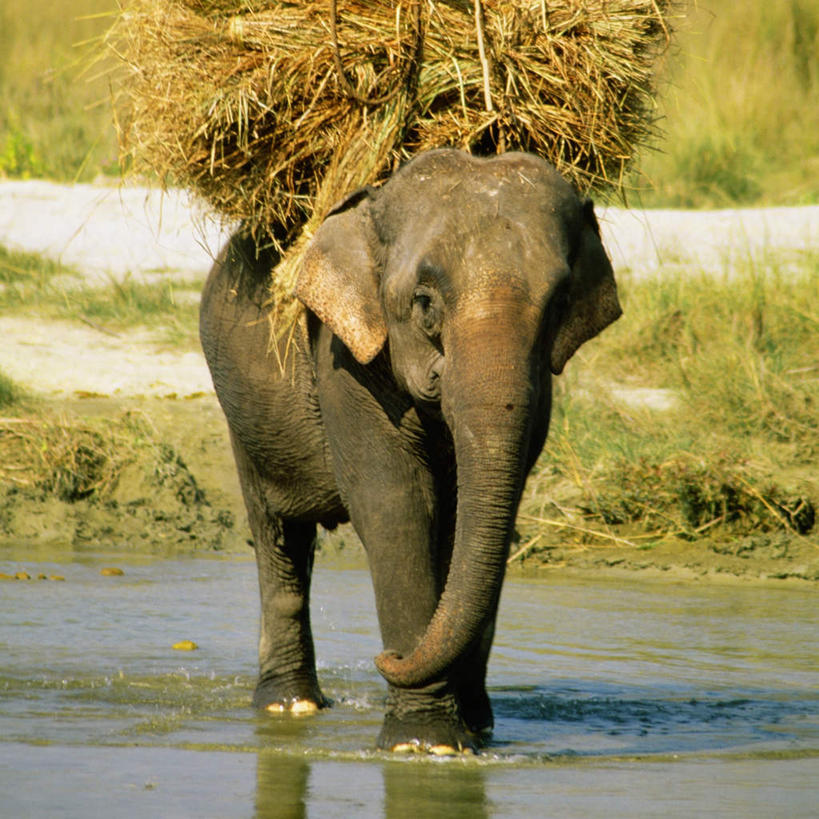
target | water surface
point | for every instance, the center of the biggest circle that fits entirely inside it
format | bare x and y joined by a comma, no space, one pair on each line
611,698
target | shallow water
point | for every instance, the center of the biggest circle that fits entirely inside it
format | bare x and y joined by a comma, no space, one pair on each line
612,698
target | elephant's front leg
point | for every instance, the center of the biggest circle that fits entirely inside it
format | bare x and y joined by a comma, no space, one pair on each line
396,521
381,460
400,544
284,558
469,675
470,684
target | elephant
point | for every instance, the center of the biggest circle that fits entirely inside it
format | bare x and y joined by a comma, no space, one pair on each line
413,404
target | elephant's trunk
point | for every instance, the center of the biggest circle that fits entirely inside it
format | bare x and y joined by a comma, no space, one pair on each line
490,421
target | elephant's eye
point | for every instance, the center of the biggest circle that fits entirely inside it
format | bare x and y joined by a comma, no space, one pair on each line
423,300
426,310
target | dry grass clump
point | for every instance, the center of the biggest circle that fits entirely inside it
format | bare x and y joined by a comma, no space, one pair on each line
274,110
71,460
688,495
103,479
79,459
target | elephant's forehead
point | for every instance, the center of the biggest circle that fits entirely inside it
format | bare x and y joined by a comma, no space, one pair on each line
508,261
483,187
454,173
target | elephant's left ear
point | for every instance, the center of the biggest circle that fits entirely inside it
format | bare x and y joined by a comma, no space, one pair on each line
338,279
592,297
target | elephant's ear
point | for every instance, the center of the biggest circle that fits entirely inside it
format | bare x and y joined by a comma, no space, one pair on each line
592,302
338,279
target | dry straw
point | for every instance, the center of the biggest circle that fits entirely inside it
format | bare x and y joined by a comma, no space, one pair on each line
272,111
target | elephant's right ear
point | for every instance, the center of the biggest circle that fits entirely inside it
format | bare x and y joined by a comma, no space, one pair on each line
592,302
338,280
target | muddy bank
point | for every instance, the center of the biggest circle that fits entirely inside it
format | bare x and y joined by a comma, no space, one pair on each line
173,489
149,475
767,556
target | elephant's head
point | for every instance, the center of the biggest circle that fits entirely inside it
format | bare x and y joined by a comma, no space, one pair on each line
478,278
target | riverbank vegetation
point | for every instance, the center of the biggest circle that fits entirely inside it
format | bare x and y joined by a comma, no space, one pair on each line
81,475
694,417
690,425
739,102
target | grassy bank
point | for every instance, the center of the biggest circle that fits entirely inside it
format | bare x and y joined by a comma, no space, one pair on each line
731,458
739,102
113,473
11,395
689,426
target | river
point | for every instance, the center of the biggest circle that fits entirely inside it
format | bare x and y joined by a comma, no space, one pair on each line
612,698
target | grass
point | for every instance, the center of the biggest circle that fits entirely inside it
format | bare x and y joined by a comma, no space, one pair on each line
81,480
76,459
127,304
735,453
740,107
202,104
23,273
10,393
29,282
71,460
55,118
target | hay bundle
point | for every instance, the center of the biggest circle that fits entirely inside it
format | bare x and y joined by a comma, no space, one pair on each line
273,110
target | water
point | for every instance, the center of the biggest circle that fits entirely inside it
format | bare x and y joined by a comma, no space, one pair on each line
611,699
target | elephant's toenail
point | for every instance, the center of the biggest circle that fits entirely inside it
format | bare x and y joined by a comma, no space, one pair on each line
443,750
303,708
406,748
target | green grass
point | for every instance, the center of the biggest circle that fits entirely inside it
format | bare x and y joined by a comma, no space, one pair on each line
55,119
739,107
737,451
126,304
739,101
24,276
10,393
32,283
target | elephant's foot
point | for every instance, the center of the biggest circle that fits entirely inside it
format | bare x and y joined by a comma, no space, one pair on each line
426,724
422,736
433,750
300,698
476,711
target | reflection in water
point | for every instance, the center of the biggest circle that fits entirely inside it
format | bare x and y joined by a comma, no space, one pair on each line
413,790
293,787
603,694
281,785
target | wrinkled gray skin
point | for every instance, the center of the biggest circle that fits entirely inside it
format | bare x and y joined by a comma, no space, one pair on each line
440,305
